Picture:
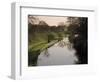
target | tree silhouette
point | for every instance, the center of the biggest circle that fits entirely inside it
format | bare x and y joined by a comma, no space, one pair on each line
78,36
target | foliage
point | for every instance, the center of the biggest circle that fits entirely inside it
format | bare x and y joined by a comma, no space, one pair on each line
78,36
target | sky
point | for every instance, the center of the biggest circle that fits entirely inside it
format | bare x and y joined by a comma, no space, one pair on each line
52,20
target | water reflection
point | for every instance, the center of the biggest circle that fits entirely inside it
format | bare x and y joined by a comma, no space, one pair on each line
62,53
46,53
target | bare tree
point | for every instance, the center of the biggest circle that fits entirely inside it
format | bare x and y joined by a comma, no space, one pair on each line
33,19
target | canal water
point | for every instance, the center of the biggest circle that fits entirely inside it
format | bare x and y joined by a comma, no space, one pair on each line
62,53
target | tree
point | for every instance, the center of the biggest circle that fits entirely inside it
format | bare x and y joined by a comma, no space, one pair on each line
32,20
78,36
43,23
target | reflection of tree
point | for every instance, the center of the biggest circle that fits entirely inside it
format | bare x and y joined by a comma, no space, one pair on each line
64,43
46,52
78,36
